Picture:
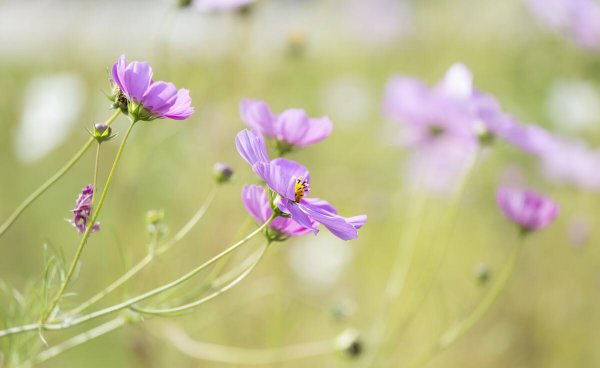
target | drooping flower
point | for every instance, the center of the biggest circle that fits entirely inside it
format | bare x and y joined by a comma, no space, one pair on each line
526,208
292,127
578,20
291,181
148,99
82,211
256,201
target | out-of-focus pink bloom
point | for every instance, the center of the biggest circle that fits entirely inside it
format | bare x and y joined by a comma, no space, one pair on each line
292,127
576,19
377,22
148,99
440,125
526,208
572,162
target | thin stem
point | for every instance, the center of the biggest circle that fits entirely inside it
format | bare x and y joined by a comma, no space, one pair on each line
397,282
461,328
95,214
196,303
95,182
125,304
169,285
48,183
149,257
76,340
243,356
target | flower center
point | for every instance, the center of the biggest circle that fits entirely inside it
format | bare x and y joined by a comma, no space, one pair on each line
436,131
301,188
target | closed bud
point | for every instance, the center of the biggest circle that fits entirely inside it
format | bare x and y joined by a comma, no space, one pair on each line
183,3
349,343
154,223
484,135
102,133
482,273
222,172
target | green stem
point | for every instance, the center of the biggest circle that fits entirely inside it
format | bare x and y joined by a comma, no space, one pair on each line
149,257
76,341
126,304
196,303
243,356
88,230
460,329
53,179
397,282
95,182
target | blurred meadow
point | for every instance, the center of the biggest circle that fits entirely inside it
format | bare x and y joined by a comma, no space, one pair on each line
330,57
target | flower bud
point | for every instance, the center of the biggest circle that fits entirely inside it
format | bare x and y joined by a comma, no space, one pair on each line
102,133
222,172
154,223
349,343
183,3
484,135
482,273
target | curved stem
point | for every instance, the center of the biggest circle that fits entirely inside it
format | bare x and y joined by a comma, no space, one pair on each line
196,303
461,328
76,340
125,304
48,183
243,356
87,233
149,257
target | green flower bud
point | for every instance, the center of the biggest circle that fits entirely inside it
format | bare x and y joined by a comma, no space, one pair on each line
222,172
102,133
154,223
183,3
486,138
349,343
482,273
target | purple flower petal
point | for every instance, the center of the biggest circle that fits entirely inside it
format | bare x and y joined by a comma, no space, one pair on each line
293,126
159,98
182,108
300,216
528,209
258,115
251,146
136,79
337,225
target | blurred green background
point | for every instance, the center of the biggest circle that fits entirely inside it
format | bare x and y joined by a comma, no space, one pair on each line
331,58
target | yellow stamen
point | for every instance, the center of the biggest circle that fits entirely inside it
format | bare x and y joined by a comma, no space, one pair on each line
300,188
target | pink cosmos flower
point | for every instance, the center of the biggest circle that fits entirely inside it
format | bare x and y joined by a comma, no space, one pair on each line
577,19
292,127
526,208
149,99
291,181
256,201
